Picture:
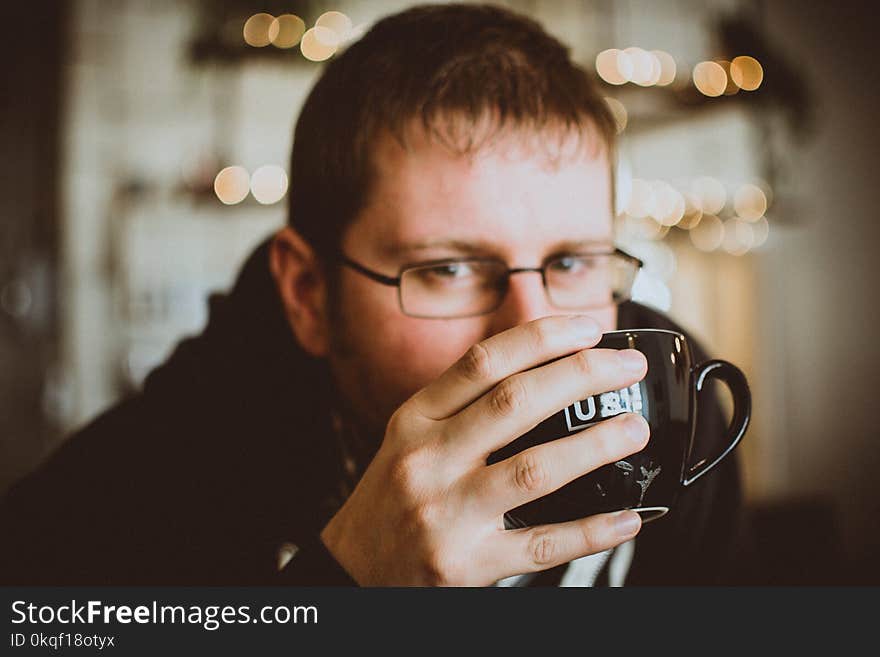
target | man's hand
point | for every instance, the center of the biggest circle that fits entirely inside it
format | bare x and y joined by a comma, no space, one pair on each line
429,511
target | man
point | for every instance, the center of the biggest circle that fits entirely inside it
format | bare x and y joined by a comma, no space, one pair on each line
451,177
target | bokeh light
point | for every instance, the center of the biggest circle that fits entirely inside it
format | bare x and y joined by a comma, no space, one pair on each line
268,184
708,234
693,211
286,31
745,233
646,229
761,230
750,202
656,71
710,78
738,237
232,184
337,22
746,72
644,66
256,30
667,67
711,193
613,66
641,200
319,43
619,112
669,204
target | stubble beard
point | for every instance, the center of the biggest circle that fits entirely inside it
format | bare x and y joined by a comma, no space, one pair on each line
362,397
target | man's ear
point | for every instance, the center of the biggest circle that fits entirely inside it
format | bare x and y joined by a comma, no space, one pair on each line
302,288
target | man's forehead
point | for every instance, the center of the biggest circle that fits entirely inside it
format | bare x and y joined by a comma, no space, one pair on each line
424,172
406,238
502,200
553,145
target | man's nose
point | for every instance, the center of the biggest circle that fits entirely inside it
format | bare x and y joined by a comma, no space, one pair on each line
525,300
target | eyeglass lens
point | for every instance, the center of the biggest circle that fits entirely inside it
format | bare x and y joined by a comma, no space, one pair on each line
471,287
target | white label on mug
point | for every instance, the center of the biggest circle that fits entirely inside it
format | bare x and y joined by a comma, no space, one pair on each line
627,400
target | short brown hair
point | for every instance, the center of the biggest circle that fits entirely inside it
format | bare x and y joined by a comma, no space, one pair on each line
447,67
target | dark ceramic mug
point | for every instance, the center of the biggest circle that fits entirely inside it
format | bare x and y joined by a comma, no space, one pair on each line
648,481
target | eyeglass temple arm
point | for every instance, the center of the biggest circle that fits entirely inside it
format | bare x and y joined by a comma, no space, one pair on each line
369,273
623,253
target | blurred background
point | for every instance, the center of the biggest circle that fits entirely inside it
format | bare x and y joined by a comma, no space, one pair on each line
145,153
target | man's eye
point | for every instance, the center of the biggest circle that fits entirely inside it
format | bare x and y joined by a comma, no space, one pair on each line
571,265
450,270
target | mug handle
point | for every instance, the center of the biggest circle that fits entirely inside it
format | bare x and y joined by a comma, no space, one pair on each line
742,409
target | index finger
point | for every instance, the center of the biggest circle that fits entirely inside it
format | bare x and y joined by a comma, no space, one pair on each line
502,355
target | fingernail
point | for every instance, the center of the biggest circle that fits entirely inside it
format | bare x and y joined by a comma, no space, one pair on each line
586,327
635,426
627,523
632,360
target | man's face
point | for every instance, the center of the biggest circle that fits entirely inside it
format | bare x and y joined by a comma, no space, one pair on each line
427,204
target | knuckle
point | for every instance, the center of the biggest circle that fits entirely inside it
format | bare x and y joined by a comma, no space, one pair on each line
508,397
542,548
423,516
541,334
407,470
588,539
434,573
440,570
529,474
476,364
584,362
397,423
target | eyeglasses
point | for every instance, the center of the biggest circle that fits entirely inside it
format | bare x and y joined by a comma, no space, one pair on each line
466,287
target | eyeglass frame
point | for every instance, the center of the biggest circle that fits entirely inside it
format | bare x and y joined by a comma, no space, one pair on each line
396,281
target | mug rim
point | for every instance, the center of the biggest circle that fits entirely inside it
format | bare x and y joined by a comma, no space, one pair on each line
666,332
648,330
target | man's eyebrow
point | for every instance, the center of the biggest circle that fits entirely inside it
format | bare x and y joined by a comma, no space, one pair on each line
578,246
473,247
463,246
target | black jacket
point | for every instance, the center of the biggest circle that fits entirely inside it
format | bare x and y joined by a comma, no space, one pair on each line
227,453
